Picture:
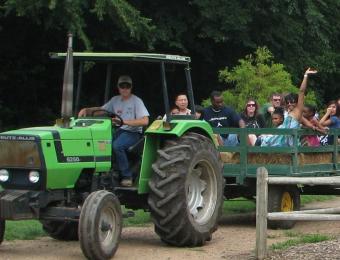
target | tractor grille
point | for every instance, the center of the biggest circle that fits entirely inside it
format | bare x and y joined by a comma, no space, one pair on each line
19,154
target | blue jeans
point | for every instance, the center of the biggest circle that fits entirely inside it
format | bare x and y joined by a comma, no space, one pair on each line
124,139
231,140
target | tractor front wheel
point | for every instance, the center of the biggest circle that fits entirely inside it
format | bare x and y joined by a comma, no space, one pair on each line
100,225
186,190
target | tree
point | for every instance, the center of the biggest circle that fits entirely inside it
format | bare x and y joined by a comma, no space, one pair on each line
77,15
257,76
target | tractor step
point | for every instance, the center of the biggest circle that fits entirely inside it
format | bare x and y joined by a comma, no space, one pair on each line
131,189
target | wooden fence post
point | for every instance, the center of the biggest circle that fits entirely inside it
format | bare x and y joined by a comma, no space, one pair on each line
261,212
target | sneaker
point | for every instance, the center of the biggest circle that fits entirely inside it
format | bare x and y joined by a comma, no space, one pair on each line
126,182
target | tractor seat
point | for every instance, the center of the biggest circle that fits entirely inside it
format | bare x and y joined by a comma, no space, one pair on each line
137,148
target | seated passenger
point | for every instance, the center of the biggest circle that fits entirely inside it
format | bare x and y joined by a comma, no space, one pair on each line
295,104
134,114
181,106
252,118
218,115
277,120
311,140
333,121
267,109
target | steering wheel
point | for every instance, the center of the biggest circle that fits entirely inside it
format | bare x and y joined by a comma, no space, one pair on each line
119,122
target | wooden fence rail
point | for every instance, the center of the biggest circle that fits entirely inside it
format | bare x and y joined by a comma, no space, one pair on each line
262,214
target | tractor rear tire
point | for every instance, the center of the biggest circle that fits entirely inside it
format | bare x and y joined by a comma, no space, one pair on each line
283,199
100,225
61,230
186,191
2,230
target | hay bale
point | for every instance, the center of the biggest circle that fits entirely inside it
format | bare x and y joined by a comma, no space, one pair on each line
278,158
315,158
226,157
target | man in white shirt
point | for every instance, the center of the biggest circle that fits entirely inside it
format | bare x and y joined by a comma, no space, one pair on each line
134,114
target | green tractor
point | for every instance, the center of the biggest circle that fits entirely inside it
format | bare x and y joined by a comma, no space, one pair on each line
66,177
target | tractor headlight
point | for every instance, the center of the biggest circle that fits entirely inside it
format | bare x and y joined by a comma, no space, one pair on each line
33,176
4,175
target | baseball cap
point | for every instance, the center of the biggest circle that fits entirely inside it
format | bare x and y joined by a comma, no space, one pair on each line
124,79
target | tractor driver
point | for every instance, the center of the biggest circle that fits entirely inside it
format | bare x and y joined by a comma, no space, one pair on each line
134,114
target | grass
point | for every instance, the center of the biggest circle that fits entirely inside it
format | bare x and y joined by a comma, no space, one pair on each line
238,205
31,229
301,239
23,230
291,233
141,218
305,199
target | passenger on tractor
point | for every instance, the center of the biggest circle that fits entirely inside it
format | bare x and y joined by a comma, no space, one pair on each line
219,115
309,112
333,121
268,109
180,106
331,111
294,105
252,118
134,115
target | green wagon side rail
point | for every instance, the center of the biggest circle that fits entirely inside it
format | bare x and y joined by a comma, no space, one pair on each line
296,160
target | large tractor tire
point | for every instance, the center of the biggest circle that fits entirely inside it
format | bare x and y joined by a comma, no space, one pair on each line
61,230
100,225
283,199
186,191
2,230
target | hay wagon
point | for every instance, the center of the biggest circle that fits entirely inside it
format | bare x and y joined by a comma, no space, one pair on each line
241,163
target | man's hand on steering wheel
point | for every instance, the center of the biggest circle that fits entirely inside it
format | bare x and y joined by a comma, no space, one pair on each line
117,121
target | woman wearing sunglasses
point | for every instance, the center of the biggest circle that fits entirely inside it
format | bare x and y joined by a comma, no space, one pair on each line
252,118
251,115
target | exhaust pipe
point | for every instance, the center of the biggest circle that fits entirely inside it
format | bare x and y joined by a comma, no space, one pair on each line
67,98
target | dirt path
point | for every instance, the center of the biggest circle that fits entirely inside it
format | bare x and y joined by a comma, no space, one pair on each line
235,239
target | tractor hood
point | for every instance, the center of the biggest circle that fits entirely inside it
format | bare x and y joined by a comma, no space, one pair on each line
22,148
47,133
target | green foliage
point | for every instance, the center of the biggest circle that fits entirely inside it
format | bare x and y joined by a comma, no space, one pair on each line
75,16
257,76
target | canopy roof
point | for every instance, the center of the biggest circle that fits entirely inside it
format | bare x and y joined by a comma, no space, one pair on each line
112,56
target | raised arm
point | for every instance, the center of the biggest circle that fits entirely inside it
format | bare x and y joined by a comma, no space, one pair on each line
297,112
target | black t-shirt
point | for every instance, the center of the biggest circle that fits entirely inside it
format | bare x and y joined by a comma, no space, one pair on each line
253,122
224,117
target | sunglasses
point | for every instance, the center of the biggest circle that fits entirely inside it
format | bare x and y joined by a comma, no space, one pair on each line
250,105
125,86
